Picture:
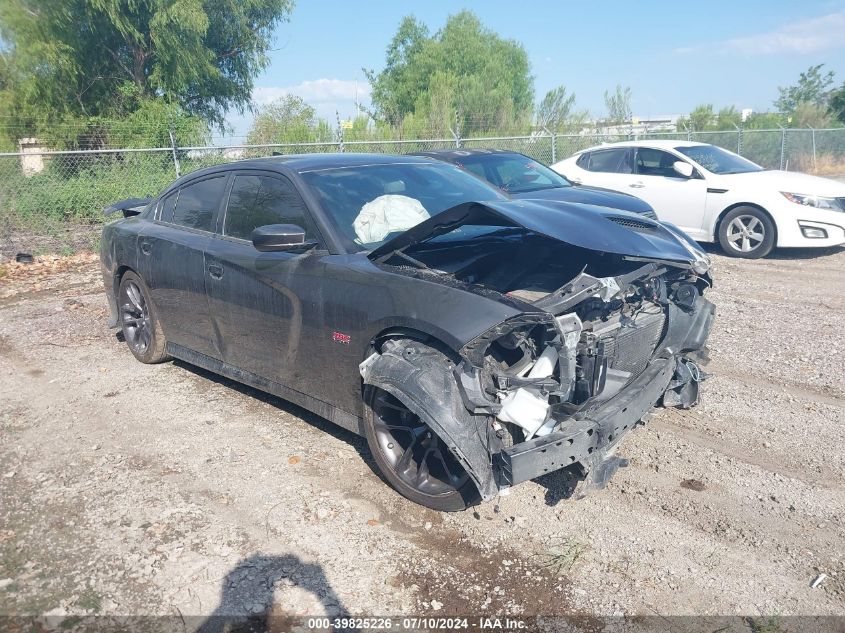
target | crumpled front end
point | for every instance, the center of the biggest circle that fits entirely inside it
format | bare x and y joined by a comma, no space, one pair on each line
561,386
586,434
601,339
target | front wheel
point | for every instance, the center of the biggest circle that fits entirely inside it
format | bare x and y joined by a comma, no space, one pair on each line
138,320
412,458
747,232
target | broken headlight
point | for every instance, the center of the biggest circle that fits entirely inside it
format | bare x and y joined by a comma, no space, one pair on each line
515,333
701,262
702,265
818,202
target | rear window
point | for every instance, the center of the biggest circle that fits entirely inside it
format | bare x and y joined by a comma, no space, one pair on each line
514,173
196,206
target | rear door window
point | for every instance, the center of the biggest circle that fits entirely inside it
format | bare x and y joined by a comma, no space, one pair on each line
616,161
167,206
196,206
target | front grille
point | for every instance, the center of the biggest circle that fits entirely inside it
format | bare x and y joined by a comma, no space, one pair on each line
631,346
631,223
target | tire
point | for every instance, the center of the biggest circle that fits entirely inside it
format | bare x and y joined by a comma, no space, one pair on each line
746,232
139,321
392,431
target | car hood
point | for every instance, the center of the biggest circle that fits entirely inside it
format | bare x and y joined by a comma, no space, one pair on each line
586,226
789,181
590,195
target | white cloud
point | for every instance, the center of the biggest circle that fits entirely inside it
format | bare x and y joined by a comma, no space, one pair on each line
326,95
802,37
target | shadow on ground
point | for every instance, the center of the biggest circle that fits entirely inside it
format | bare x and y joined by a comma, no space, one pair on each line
247,595
560,485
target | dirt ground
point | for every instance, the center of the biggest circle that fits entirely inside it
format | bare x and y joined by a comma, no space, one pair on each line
128,489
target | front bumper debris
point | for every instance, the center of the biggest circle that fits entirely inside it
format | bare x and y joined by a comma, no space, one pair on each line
583,440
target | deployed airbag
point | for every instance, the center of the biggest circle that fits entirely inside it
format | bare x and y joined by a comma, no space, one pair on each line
387,214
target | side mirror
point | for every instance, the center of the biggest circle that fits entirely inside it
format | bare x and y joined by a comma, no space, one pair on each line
682,168
277,237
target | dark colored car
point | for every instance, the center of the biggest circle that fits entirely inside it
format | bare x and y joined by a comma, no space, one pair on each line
476,341
524,178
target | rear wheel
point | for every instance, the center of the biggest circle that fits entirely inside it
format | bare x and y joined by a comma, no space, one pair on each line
141,328
747,232
412,458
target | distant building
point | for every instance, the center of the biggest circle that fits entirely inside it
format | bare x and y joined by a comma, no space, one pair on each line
655,123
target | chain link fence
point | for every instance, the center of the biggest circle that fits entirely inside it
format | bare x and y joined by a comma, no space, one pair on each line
53,201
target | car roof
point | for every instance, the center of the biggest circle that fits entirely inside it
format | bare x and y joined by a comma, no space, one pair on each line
309,162
300,163
452,155
658,143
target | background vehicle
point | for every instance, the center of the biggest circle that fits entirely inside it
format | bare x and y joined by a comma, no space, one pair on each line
524,178
716,195
475,341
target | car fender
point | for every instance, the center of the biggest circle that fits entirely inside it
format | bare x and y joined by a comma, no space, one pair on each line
422,379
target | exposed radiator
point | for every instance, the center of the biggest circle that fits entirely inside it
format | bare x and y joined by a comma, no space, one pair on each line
630,345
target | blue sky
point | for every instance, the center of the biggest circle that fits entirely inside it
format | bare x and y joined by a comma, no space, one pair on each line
674,55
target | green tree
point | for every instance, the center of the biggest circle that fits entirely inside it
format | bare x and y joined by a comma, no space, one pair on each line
75,57
765,121
837,104
701,118
288,120
618,104
728,118
813,87
808,114
557,113
464,75
705,118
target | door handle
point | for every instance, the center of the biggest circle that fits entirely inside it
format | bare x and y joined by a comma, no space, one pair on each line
215,271
636,185
146,248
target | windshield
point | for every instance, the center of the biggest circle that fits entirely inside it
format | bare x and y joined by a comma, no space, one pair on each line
371,204
513,173
717,160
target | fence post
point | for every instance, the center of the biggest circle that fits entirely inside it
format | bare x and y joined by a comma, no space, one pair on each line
175,155
738,139
457,131
554,143
815,168
782,146
339,131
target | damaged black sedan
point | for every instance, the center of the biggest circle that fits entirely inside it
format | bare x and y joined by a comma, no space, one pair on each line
475,341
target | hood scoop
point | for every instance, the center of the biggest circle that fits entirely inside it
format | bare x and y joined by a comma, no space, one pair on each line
633,223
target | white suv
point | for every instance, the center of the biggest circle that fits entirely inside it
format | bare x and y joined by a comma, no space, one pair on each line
716,195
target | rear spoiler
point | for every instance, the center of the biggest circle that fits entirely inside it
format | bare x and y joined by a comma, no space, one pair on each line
129,207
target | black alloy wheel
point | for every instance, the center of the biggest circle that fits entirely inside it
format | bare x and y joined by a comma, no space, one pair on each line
141,329
413,459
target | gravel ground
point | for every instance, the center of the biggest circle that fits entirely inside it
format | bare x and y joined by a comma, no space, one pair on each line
127,488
